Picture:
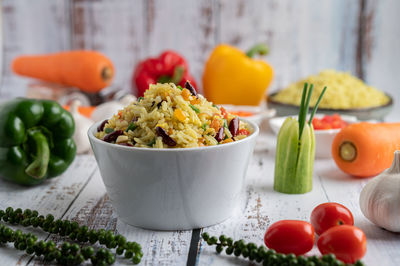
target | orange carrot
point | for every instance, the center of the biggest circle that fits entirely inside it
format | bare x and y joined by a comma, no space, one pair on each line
366,149
83,110
90,71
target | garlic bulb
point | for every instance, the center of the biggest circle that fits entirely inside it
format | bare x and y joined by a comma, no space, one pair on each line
82,125
108,109
380,197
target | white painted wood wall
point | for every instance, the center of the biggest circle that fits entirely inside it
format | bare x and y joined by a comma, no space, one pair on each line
305,36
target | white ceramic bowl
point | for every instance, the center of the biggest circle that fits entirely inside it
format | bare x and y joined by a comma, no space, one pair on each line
323,138
174,189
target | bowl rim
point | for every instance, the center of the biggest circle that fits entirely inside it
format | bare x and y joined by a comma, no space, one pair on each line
390,103
93,139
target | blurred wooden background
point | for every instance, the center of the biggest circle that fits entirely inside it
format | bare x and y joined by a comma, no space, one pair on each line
362,36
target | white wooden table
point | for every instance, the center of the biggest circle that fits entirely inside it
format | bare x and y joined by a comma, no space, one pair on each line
79,195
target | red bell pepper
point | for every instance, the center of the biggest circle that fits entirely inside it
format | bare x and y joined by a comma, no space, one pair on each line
167,67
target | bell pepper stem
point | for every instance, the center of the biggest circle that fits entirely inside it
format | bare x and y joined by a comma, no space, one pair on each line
176,78
178,74
38,168
260,49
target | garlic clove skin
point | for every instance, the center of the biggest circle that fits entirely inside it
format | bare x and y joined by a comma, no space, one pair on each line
127,99
380,198
82,125
108,109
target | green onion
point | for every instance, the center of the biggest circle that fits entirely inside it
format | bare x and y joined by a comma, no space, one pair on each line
197,110
151,143
215,106
132,126
305,103
225,123
139,99
204,126
316,106
179,87
108,130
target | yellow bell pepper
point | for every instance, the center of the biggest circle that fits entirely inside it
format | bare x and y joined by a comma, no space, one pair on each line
233,77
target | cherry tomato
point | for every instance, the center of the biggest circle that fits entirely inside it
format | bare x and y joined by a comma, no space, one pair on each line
290,236
347,242
327,215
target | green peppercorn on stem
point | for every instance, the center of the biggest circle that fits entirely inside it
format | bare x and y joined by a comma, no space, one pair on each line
268,256
67,253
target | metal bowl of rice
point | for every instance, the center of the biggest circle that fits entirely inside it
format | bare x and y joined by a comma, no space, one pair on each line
190,178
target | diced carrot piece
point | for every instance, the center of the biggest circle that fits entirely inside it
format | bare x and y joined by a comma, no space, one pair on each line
241,113
227,140
170,131
203,115
215,124
244,131
224,112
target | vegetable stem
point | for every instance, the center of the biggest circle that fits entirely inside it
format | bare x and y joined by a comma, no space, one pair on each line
305,103
38,168
316,106
260,49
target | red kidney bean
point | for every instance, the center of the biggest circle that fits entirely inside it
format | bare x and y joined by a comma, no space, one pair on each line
234,126
220,134
113,136
101,126
165,138
190,88
160,103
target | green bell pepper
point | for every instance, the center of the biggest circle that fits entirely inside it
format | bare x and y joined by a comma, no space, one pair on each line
35,140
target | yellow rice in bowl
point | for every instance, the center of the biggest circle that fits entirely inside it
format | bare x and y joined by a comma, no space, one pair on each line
172,117
344,92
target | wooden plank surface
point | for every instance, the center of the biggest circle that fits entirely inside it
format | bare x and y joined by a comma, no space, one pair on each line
381,41
31,27
304,36
93,208
115,28
79,195
53,197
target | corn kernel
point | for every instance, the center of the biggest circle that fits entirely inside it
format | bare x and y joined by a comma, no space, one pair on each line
195,101
185,94
179,114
